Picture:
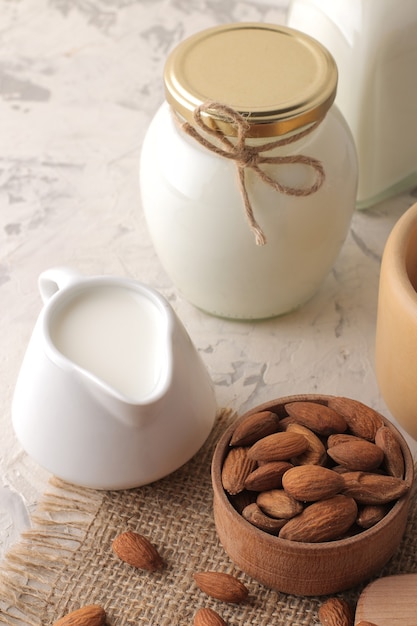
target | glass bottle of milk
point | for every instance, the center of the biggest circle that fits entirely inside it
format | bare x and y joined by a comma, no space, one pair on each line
374,43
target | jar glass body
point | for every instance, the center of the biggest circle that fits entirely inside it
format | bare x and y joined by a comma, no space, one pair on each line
196,219
374,43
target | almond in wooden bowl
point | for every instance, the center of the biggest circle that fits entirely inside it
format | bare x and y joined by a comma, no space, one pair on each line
319,547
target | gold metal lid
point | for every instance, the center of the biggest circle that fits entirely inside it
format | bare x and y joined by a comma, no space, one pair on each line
279,78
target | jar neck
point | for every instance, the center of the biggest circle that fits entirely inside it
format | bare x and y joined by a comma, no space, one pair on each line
254,157
205,130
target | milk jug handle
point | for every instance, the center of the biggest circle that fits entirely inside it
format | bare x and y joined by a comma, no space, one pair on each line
55,279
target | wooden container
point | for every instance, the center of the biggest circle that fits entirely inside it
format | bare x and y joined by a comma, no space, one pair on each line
306,568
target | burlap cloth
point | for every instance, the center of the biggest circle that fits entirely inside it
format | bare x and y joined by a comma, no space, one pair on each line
65,560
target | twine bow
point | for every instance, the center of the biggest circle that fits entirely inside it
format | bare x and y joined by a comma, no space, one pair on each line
247,156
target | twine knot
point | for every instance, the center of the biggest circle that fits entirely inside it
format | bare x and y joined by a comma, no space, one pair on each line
247,157
250,157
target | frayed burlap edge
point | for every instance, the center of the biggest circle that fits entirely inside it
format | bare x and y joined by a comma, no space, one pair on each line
36,568
31,567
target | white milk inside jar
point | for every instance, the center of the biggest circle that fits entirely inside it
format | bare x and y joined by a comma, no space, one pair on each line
248,171
374,43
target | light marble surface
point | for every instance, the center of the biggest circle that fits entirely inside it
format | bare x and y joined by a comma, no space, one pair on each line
79,83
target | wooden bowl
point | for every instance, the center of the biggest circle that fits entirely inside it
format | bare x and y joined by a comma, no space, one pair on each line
306,568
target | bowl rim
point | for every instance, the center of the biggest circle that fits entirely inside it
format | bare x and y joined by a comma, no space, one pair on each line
400,242
222,447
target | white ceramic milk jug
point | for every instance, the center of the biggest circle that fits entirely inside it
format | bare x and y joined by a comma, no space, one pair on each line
374,43
112,393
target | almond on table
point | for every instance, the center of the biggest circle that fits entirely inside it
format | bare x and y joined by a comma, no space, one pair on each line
91,615
221,586
208,617
137,550
336,612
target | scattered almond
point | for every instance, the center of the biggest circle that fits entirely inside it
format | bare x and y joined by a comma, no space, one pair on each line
318,417
365,622
208,617
91,615
236,468
336,612
255,427
310,483
221,586
322,521
137,550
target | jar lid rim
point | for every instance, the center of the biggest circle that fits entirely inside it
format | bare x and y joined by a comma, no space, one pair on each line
279,78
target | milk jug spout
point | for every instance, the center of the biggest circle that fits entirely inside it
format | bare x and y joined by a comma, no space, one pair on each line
115,340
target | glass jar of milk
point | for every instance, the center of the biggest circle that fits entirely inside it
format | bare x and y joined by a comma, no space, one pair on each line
248,171
374,43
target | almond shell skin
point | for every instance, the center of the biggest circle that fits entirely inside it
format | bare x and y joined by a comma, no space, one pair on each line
91,615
